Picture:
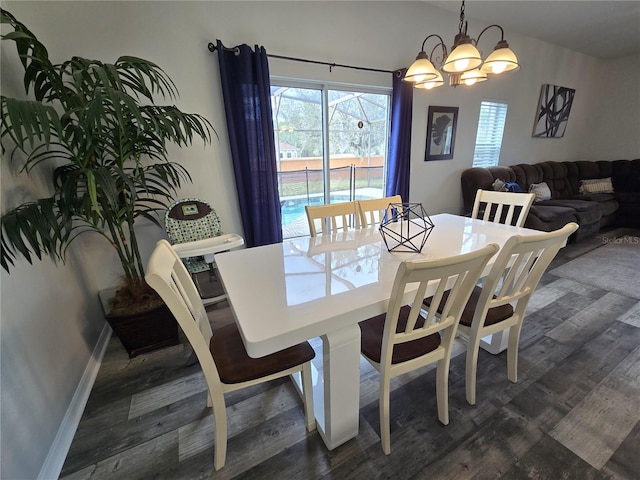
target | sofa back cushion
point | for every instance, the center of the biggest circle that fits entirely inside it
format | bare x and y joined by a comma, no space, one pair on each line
626,175
526,175
574,175
503,173
587,170
605,168
556,175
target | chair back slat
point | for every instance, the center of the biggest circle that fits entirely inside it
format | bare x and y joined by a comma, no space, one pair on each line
416,310
332,218
373,211
501,207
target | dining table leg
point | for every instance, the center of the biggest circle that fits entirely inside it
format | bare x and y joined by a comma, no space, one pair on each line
337,391
495,343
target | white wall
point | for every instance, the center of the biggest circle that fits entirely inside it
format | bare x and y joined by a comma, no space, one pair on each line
50,315
614,127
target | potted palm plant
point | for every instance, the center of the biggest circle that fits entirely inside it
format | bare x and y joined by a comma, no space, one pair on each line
99,126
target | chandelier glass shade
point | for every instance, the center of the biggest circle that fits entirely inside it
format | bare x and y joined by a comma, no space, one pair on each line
471,77
421,70
501,60
464,64
463,58
429,84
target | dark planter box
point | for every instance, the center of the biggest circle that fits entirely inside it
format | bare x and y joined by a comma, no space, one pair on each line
146,331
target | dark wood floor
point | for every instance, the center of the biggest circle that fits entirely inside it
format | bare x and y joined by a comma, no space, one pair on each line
574,413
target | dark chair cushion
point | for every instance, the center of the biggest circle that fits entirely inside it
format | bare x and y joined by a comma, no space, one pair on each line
371,341
494,315
236,366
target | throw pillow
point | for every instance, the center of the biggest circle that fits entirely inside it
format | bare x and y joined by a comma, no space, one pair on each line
596,185
541,191
499,185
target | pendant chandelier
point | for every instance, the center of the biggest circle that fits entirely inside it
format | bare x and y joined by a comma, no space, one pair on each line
464,64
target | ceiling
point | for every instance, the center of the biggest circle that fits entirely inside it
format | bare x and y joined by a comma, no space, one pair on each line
603,29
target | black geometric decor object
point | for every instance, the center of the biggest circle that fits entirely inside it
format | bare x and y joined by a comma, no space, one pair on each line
406,228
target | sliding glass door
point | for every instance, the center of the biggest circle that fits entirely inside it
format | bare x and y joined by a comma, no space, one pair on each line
331,147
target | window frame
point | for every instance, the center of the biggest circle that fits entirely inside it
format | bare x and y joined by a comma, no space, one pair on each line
324,87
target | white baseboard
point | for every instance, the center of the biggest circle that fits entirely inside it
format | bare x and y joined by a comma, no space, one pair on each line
60,448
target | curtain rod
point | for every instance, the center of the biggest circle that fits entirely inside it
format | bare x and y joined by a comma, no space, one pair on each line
213,48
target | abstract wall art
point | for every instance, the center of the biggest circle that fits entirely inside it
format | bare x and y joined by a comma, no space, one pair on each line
553,111
441,133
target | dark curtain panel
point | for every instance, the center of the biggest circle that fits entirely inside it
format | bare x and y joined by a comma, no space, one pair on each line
244,75
399,164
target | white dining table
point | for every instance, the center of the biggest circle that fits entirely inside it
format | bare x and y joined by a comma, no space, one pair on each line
307,287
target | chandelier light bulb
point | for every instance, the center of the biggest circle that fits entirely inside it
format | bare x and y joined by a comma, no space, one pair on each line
498,67
428,85
473,76
461,64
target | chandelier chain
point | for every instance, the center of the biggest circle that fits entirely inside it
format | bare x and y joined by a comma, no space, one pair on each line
461,25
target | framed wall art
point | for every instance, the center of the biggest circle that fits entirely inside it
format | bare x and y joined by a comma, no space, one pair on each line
441,133
553,111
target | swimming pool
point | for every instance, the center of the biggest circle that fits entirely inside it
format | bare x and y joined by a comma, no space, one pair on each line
292,209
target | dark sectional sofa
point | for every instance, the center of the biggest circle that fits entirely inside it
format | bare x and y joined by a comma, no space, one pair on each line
592,211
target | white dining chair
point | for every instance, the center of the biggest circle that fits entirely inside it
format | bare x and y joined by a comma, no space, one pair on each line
332,218
373,211
405,339
222,355
500,304
502,207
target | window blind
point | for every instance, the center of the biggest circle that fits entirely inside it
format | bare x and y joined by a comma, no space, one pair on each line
489,138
